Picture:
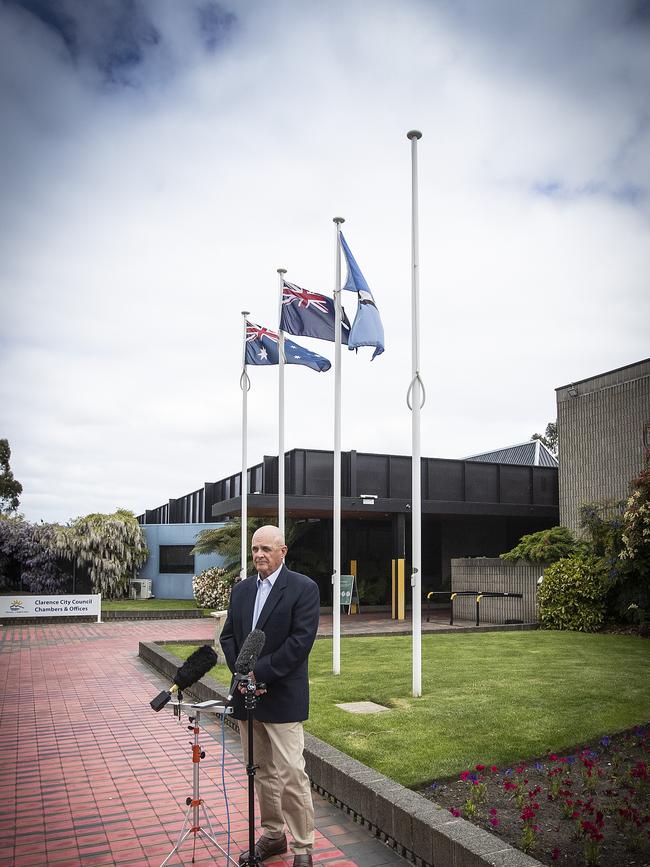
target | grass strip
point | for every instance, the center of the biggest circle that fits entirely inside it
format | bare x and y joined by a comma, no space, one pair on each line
151,605
494,698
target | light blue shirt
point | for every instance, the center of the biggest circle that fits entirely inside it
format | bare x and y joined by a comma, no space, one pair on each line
264,587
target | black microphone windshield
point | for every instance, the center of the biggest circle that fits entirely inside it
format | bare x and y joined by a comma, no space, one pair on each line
195,666
250,650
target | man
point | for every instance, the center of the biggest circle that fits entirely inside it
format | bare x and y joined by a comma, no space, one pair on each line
285,606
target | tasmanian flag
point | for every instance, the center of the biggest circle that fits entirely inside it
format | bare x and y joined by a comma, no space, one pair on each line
367,328
310,314
262,348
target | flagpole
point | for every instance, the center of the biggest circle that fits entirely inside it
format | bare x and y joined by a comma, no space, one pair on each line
281,273
244,384
416,392
336,559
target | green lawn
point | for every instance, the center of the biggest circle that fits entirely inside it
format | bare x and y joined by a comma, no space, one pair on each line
493,698
150,605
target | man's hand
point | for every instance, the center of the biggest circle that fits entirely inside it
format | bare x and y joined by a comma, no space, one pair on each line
243,686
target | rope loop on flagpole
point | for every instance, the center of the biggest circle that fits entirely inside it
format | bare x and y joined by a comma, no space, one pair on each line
244,381
416,378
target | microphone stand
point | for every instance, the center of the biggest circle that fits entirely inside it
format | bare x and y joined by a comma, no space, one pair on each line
250,702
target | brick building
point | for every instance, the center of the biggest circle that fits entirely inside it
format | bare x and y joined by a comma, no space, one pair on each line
603,434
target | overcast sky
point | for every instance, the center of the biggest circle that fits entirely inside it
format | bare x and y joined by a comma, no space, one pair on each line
160,160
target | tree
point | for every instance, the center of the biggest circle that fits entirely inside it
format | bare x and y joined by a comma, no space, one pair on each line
10,488
111,547
28,555
549,438
226,541
545,546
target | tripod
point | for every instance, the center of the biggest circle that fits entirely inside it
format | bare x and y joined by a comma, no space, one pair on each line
195,803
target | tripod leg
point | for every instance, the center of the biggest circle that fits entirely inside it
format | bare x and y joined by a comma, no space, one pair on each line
181,837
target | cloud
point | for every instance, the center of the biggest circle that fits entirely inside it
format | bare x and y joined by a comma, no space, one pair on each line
162,160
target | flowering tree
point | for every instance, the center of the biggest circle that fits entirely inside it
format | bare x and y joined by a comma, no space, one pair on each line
635,537
28,552
111,547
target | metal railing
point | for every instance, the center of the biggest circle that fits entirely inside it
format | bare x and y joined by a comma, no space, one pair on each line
477,594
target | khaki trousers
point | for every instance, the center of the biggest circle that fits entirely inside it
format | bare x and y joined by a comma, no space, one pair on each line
281,782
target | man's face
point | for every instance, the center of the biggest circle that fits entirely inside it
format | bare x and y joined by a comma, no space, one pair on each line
268,550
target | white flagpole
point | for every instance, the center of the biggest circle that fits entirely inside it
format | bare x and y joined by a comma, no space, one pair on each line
416,392
281,273
336,569
244,384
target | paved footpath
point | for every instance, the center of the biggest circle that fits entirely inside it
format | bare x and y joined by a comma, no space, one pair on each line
90,775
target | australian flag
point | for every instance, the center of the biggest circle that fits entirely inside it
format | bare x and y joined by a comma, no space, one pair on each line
262,348
310,314
367,329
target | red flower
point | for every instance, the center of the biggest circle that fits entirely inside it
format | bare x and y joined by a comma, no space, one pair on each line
493,811
464,775
495,822
555,854
479,767
494,769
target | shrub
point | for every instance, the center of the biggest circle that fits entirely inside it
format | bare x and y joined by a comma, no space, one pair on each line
636,521
572,594
546,546
212,588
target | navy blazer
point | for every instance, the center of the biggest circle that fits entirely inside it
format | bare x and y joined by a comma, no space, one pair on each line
289,619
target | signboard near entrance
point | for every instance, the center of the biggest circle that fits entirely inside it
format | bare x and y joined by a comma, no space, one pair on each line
349,592
51,606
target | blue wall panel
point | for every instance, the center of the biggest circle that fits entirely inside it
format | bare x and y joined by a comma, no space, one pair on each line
176,586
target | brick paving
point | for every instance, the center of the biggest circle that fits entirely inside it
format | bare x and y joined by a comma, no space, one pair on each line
90,775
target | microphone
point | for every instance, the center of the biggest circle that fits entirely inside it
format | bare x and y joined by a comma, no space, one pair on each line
195,666
248,656
250,651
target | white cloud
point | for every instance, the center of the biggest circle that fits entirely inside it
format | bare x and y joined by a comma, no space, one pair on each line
144,216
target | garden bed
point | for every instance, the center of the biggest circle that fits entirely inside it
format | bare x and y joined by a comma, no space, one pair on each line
588,806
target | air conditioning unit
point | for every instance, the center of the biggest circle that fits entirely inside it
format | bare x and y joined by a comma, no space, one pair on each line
140,588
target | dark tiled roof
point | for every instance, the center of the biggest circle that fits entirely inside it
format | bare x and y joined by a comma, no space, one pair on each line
531,454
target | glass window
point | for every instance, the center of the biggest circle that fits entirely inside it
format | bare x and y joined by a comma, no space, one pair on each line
176,559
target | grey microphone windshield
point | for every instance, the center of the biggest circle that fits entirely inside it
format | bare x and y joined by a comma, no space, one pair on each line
250,651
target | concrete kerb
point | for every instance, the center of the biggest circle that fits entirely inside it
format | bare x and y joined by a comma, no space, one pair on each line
416,827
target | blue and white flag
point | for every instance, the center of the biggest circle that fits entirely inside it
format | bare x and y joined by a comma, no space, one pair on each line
262,348
310,314
367,329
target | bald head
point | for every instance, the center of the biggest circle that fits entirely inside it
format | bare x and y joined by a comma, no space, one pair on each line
268,550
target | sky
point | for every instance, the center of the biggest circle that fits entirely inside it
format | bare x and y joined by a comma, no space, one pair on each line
161,160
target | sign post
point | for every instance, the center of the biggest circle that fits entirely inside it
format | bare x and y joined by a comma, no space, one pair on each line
349,592
71,605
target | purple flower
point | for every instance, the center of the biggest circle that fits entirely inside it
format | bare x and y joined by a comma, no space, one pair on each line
605,742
